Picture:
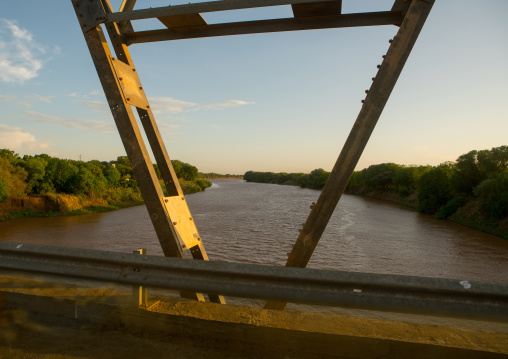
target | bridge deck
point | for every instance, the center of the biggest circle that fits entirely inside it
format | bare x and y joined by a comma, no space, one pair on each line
74,321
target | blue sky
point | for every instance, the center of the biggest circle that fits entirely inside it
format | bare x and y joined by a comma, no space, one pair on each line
266,102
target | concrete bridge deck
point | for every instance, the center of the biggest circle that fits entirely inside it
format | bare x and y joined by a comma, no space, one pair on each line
43,320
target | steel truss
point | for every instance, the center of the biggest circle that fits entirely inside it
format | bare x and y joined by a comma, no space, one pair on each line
170,215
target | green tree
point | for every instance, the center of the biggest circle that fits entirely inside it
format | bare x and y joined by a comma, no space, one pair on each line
355,183
112,176
493,196
9,155
60,174
492,162
317,178
300,179
466,175
14,177
380,177
405,178
86,182
282,177
189,172
203,183
248,176
124,166
4,191
434,188
36,169
97,170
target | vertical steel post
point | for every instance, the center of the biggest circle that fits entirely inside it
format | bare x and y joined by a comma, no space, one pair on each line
374,103
140,293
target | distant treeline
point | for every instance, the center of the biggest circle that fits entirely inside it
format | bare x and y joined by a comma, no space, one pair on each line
112,181
314,180
475,176
213,175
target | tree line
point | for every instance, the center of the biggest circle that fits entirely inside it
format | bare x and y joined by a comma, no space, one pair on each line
111,180
314,180
441,190
213,175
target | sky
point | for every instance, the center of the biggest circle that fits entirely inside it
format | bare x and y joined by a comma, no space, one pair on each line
281,102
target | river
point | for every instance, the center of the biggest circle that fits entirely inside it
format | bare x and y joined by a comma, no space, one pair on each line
258,223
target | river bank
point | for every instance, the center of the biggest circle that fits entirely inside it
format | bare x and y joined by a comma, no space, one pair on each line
55,205
58,204
468,215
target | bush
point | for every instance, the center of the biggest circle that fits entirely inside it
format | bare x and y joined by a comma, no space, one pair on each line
317,178
14,178
380,177
493,196
434,189
120,195
86,182
403,191
355,183
189,187
451,207
203,183
4,191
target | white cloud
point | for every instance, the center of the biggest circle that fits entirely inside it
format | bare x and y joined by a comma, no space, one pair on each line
159,105
170,105
46,99
93,125
98,106
96,93
26,101
18,140
14,100
6,98
221,105
20,56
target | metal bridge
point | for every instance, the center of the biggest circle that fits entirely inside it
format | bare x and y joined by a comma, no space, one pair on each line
170,215
202,280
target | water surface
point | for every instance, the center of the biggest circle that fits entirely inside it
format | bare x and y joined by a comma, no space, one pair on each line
258,223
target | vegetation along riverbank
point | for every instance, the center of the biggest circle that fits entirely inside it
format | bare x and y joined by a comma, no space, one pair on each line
41,185
472,191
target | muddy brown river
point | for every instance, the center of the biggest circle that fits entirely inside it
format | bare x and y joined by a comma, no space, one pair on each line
258,223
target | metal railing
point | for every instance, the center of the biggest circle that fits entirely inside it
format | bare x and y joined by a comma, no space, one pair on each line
463,298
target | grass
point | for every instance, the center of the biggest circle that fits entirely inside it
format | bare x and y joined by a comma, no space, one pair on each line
29,213
470,216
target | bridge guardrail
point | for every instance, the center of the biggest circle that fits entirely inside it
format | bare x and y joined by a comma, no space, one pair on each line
397,293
